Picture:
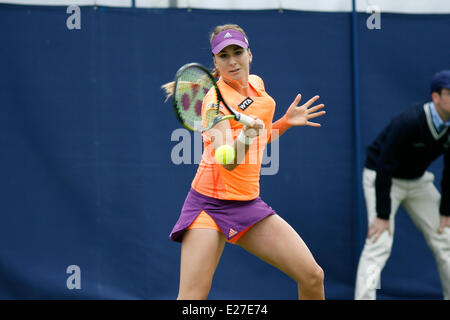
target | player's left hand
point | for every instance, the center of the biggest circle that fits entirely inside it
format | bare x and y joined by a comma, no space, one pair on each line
300,116
444,223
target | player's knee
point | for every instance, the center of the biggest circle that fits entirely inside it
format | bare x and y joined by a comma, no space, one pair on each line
318,276
313,278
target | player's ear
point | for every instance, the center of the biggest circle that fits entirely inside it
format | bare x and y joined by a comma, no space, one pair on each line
250,56
214,60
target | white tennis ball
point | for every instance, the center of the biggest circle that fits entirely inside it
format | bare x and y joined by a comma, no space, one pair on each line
225,154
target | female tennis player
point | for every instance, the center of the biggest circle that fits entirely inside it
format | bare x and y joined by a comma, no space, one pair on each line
223,204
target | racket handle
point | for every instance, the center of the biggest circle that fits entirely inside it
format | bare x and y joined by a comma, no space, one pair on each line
246,119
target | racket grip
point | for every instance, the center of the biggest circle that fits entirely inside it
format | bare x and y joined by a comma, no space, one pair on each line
246,120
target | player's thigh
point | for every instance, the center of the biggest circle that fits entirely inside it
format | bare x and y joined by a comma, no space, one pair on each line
201,250
274,241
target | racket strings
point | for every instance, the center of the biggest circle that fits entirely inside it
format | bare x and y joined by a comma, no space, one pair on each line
192,86
211,114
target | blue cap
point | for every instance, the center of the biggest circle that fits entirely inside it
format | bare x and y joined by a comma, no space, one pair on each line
440,80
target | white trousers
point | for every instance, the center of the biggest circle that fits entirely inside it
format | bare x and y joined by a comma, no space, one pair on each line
421,199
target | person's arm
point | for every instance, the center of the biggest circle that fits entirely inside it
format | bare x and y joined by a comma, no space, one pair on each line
444,208
221,134
383,181
297,116
396,137
281,126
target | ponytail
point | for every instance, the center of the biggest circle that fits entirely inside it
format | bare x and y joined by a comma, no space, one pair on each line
169,89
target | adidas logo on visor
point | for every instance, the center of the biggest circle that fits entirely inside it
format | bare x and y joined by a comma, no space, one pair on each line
227,35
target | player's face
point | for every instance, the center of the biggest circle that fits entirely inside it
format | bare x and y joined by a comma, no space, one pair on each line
233,62
442,102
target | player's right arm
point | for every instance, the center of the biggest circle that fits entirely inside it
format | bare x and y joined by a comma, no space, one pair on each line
222,134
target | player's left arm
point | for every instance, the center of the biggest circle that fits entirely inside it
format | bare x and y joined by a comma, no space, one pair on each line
298,116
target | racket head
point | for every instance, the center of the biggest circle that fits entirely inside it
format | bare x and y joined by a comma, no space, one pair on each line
192,82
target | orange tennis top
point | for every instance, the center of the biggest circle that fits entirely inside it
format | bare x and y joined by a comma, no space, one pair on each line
241,183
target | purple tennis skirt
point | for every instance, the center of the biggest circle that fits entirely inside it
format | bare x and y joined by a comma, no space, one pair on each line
228,214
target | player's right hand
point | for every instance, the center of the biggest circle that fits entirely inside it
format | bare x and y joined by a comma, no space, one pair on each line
377,227
253,130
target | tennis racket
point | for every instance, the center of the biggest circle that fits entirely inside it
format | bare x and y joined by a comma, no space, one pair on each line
192,82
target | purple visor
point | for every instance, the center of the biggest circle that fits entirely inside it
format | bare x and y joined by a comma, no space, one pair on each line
226,38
